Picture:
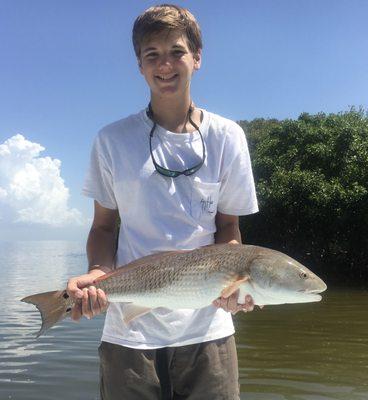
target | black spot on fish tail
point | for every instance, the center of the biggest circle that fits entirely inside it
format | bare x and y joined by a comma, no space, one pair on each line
51,305
66,296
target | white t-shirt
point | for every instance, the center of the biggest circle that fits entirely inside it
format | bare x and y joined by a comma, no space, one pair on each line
160,214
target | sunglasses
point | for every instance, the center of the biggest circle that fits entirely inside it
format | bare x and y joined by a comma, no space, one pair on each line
169,172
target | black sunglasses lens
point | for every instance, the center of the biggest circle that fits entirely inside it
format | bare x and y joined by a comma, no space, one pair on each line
172,174
190,171
193,170
167,172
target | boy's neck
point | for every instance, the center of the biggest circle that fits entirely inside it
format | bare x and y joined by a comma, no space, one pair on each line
172,114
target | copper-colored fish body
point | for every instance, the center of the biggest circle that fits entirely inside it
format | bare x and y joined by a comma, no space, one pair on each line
193,279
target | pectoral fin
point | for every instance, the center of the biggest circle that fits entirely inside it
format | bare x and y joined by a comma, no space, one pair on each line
133,311
233,287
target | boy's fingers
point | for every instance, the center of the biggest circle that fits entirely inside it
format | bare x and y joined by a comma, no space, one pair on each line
94,302
229,304
88,301
75,285
73,289
76,312
232,302
249,304
94,307
102,300
226,303
216,302
220,302
86,311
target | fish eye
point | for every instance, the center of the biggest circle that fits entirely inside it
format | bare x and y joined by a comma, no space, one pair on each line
303,275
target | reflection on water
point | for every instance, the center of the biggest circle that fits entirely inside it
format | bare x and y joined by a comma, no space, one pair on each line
314,351
58,364
306,351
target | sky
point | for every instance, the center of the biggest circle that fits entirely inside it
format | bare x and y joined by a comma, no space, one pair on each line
68,68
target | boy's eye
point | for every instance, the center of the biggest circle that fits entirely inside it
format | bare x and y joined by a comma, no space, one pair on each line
151,55
178,52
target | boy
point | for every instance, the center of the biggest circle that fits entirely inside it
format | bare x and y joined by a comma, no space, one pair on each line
178,177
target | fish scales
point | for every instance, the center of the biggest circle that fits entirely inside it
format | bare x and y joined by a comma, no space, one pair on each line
171,268
193,279
200,275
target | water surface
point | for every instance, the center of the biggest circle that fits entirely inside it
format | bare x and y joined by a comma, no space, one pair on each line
316,351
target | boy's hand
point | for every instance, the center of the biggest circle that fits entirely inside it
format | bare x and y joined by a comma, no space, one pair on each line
89,301
231,304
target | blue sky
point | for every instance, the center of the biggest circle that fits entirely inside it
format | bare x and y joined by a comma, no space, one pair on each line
68,68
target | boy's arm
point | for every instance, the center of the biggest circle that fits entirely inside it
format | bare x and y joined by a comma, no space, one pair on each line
101,248
227,231
101,243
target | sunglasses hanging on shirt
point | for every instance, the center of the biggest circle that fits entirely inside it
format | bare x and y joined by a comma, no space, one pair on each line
169,172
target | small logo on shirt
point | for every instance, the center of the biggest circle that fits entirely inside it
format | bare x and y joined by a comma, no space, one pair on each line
207,205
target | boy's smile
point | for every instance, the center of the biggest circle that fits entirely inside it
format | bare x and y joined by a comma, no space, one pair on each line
167,63
167,78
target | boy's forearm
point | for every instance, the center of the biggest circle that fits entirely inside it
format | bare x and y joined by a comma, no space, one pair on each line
229,233
101,248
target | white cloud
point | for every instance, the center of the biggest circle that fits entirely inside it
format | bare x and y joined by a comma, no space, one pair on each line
31,188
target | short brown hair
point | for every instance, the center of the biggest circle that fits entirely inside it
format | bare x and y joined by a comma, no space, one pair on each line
166,17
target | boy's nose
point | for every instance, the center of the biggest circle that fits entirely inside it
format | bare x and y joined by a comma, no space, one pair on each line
164,62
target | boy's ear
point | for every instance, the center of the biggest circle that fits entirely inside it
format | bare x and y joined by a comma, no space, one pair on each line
139,65
197,59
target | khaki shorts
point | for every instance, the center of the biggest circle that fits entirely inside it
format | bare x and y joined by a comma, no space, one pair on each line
200,371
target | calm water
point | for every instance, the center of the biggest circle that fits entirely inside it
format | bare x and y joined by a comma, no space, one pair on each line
315,351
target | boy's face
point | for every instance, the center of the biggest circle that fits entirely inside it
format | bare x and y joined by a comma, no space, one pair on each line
168,64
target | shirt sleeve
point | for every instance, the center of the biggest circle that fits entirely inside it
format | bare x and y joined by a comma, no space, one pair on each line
99,183
237,189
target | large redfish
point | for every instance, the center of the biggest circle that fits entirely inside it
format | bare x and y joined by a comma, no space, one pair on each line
193,279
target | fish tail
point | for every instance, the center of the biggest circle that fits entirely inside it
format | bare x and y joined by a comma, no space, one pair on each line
53,307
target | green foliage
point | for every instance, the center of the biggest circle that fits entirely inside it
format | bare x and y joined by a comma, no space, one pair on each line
312,184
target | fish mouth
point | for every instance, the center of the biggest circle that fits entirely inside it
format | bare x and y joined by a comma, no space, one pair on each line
315,297
319,289
312,291
315,291
310,295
